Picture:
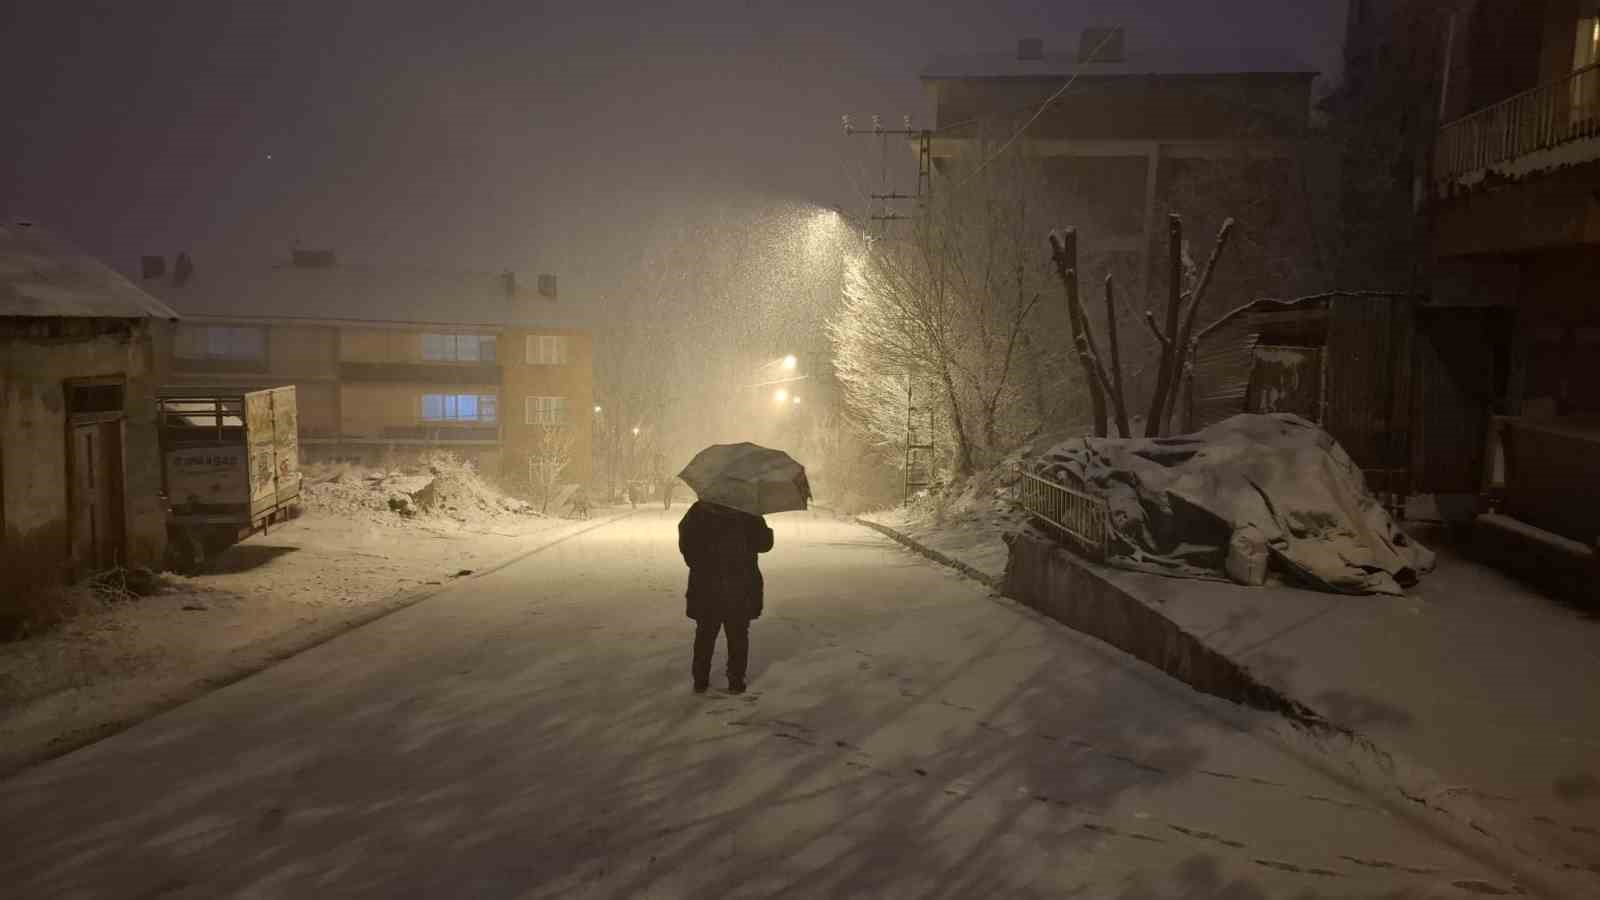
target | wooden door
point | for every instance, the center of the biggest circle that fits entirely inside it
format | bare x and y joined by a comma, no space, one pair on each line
96,496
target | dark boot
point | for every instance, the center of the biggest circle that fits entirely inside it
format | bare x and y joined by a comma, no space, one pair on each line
738,633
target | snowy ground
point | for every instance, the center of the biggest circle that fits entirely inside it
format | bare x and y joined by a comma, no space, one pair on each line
342,557
966,528
531,733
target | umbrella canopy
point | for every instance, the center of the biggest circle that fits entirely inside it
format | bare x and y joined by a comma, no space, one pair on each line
748,477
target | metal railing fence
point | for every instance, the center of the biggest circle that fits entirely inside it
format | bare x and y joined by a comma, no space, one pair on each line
1556,112
1082,519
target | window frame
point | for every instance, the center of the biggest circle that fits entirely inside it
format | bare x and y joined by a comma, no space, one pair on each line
534,411
486,408
534,350
451,348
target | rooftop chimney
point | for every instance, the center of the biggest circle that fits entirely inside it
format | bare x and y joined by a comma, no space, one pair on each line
152,266
1030,48
182,269
1100,45
314,259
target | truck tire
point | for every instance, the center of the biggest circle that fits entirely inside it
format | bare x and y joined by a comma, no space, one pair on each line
186,550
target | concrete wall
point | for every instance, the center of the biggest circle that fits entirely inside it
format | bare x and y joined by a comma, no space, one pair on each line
1076,593
575,381
1556,209
34,369
302,350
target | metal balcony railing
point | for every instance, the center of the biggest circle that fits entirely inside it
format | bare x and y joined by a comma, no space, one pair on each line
1554,113
1082,519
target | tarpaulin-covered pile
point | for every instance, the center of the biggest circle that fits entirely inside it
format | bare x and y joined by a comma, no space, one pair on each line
1277,482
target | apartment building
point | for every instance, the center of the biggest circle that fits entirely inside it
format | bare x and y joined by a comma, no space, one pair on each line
1500,103
391,361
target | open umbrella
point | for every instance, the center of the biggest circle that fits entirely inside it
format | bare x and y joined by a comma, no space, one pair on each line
748,477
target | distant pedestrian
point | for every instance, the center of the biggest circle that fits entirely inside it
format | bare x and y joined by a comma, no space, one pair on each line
633,494
720,545
666,492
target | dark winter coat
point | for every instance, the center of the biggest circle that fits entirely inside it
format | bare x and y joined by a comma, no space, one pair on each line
720,546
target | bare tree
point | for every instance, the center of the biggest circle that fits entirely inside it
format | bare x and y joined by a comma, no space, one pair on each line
946,313
548,460
1177,342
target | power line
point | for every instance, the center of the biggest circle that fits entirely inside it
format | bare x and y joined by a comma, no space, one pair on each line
1110,33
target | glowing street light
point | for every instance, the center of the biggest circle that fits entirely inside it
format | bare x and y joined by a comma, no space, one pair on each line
597,409
781,395
797,401
635,431
789,362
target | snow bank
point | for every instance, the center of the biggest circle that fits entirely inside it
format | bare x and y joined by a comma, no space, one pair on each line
440,486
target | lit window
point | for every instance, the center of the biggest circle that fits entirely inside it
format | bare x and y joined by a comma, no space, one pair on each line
547,350
1586,84
458,347
459,407
546,411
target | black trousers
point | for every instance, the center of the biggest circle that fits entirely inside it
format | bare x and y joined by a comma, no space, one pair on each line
705,643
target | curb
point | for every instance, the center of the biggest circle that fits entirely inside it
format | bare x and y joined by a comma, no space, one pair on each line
943,559
262,656
1131,627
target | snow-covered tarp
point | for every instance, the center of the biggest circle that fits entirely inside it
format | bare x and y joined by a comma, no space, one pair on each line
1176,504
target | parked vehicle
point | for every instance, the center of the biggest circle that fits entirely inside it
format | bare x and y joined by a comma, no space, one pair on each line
230,467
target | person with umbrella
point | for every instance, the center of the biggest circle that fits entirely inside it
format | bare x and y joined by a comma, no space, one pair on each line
720,538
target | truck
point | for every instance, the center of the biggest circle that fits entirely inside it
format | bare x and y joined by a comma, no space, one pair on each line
230,467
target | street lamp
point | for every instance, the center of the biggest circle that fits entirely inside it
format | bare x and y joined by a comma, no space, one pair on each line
781,395
789,362
597,409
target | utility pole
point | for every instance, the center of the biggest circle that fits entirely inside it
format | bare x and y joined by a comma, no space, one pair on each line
919,455
883,212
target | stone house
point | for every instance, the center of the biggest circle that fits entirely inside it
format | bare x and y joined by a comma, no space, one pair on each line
80,464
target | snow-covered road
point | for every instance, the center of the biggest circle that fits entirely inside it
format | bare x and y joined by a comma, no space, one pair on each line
532,733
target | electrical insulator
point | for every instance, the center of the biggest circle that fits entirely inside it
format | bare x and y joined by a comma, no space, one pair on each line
877,123
848,128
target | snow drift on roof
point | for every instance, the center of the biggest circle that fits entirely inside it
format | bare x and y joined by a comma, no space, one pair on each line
43,275
342,291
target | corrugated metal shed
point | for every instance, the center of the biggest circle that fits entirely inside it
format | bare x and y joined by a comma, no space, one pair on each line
42,275
1222,372
1361,372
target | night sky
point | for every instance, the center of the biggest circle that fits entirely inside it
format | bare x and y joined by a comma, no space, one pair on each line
493,134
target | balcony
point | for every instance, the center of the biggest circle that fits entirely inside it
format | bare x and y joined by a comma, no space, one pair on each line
1553,125
415,435
421,373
